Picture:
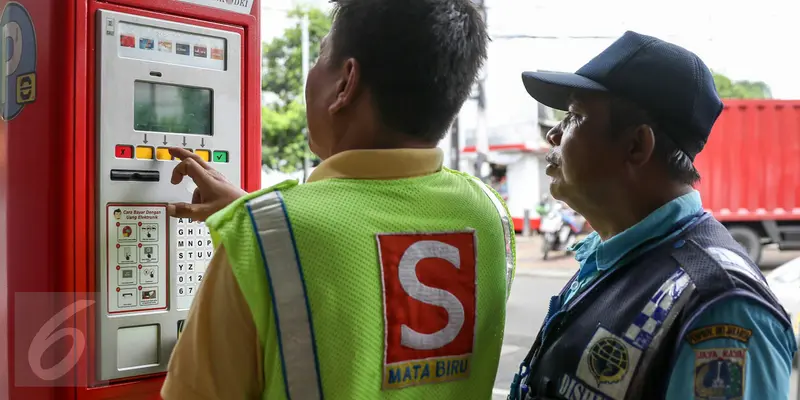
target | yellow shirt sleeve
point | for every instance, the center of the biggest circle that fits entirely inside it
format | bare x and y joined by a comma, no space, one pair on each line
218,355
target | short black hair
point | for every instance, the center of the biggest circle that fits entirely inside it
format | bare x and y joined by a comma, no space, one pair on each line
624,114
419,58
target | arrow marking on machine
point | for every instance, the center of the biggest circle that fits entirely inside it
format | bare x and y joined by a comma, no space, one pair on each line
165,140
184,140
145,138
203,142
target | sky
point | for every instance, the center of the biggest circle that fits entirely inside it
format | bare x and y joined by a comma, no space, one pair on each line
273,15
744,40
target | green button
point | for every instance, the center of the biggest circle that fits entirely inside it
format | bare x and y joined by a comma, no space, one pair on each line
220,156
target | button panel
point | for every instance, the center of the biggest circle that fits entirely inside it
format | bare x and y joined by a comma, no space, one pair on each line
162,153
194,251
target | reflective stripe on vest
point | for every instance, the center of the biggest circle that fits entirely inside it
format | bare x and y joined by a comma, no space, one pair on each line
506,221
289,300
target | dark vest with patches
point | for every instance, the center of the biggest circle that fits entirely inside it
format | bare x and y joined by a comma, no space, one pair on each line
619,338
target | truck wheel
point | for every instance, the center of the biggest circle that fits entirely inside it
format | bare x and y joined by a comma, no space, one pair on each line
749,239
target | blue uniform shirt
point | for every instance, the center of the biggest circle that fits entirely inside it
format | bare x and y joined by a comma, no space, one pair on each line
765,350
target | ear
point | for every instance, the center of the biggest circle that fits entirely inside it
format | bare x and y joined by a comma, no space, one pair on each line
642,142
346,86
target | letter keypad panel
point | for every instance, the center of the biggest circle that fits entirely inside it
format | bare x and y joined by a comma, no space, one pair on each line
194,251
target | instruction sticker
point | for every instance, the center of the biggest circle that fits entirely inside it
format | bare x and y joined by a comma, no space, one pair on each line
137,257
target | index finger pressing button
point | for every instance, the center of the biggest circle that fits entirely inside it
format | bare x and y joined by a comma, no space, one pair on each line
163,154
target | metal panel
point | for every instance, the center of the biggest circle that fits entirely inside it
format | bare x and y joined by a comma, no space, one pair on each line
116,77
751,164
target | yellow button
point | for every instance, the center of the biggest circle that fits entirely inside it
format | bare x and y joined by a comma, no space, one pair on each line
163,154
144,152
204,154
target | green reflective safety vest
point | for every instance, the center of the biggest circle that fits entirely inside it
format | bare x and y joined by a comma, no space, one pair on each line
374,289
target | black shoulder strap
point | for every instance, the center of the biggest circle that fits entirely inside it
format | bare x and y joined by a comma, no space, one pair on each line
705,272
719,272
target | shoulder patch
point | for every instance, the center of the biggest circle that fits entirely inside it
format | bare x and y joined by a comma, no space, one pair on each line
430,326
719,374
719,331
607,365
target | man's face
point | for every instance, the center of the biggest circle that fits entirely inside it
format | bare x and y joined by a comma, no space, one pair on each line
585,164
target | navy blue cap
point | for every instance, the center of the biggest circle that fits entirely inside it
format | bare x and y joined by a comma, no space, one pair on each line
669,82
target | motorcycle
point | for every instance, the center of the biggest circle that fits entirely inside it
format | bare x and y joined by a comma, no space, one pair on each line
559,228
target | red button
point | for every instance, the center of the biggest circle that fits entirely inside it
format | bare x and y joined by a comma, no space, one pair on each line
122,151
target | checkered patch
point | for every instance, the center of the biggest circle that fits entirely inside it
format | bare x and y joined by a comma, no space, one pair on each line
647,323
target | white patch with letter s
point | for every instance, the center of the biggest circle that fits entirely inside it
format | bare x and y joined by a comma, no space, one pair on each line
429,328
608,363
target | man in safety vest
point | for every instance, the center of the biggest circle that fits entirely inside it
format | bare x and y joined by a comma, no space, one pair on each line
385,276
666,304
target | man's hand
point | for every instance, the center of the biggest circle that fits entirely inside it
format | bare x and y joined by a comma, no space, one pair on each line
213,192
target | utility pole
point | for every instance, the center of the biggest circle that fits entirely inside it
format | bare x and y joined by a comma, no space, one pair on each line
304,43
481,140
455,146
481,134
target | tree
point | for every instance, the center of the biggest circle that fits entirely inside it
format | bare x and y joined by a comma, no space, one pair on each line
282,136
729,89
284,120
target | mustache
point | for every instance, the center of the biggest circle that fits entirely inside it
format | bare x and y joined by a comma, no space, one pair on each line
553,157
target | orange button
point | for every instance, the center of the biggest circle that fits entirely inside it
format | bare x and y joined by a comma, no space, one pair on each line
204,154
162,153
144,153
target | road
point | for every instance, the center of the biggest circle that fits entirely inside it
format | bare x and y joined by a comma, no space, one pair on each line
527,307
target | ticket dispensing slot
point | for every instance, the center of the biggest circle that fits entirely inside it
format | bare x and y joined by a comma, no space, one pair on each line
161,84
131,175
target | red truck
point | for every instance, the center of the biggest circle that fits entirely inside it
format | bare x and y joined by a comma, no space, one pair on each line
750,173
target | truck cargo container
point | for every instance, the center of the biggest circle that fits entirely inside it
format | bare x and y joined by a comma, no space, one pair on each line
750,173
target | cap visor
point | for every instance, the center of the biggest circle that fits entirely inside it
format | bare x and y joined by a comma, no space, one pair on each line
554,89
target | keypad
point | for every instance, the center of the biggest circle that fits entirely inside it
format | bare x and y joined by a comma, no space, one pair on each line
194,251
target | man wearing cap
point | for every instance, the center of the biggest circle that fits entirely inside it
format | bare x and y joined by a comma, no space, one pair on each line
666,305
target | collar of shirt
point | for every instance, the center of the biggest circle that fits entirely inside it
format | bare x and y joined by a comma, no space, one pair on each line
379,164
659,223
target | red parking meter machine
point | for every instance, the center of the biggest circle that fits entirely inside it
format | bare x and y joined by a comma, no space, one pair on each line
96,280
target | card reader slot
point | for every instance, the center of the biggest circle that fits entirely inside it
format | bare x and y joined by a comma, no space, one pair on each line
134,175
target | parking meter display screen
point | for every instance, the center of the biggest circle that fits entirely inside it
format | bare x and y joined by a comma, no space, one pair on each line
164,108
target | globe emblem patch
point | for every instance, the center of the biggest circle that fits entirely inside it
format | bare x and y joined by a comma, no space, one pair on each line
608,360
